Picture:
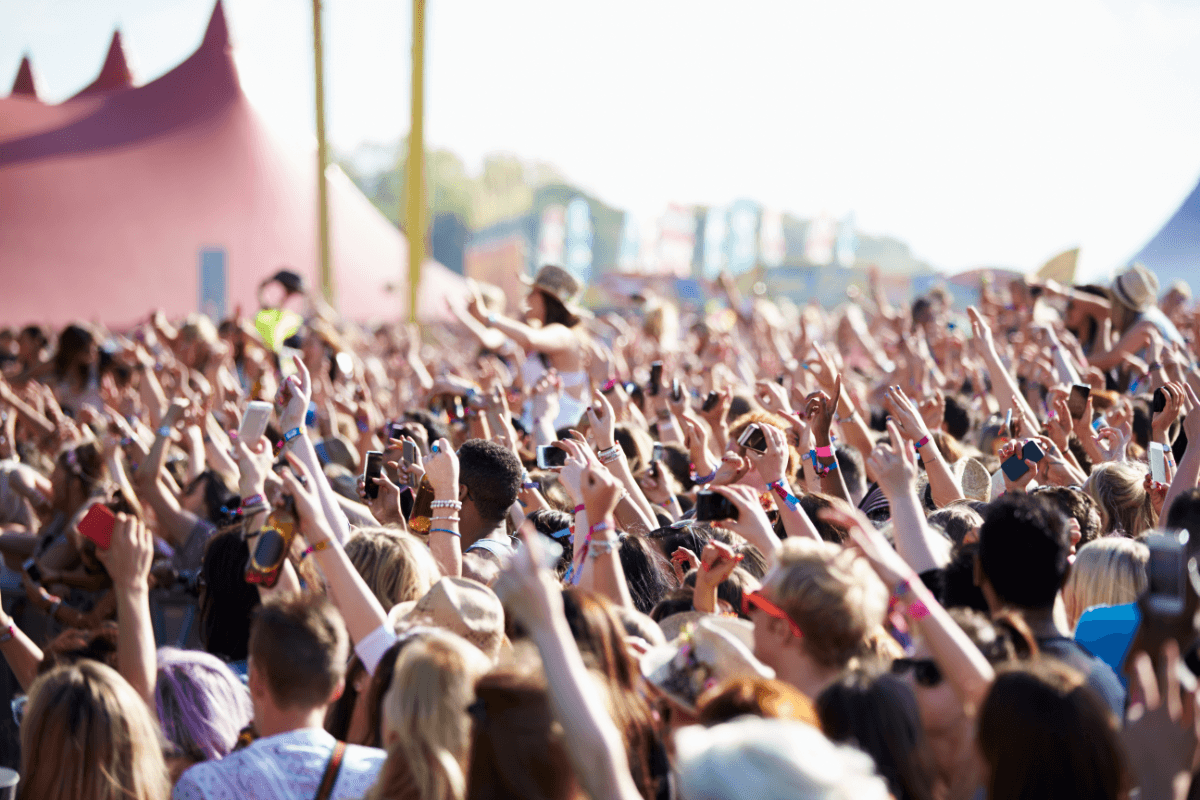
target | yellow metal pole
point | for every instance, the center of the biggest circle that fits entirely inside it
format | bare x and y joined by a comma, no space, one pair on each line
414,180
327,288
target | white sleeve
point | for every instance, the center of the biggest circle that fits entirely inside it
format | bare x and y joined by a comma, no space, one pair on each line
372,647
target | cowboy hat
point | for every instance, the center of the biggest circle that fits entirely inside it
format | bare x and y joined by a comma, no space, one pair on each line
559,284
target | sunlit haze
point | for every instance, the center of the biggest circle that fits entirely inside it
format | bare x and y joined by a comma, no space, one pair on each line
981,134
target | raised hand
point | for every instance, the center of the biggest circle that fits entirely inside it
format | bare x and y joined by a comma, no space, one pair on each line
893,465
1010,449
908,421
441,468
601,492
771,465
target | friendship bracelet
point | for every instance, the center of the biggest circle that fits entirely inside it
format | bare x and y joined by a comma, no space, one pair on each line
787,497
447,519
579,508
313,548
924,441
8,634
700,478
600,527
252,500
454,504
251,510
602,547
446,530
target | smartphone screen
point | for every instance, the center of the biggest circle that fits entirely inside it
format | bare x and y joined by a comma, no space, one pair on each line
656,369
1031,452
549,456
1165,571
754,439
710,402
712,506
1077,402
373,470
659,452
1158,462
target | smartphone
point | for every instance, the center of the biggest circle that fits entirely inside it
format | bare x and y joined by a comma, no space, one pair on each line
1160,400
1167,579
97,525
1031,452
287,361
753,438
31,568
395,431
655,378
410,456
676,391
659,452
1158,462
1077,402
254,422
549,456
710,402
373,470
1015,467
712,506
1006,430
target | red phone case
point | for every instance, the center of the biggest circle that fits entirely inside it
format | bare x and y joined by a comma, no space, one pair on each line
97,525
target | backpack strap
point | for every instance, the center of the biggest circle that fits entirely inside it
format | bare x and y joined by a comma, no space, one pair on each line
331,771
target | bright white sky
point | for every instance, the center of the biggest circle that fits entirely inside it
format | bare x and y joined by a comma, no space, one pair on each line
981,134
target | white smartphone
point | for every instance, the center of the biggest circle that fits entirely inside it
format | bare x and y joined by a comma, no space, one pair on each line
1158,462
254,422
1167,579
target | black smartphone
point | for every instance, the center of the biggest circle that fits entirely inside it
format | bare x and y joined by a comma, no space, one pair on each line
550,456
1160,400
676,391
1015,467
410,456
1166,575
712,506
373,470
1032,452
710,402
1077,402
31,568
395,430
659,452
753,438
655,378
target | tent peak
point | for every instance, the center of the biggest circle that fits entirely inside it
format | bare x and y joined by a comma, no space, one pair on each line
24,84
115,73
217,34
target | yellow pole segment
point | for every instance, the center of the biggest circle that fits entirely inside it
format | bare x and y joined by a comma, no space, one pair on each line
327,288
414,179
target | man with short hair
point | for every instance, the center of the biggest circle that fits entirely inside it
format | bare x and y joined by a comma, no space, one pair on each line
817,609
298,651
489,479
1023,562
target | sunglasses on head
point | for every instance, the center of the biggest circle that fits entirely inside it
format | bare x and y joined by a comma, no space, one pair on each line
925,670
756,599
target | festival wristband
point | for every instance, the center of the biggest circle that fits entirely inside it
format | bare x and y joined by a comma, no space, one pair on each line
825,451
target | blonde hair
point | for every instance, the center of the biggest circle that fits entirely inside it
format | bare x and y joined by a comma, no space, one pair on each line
87,735
833,595
396,565
1106,572
1125,507
425,722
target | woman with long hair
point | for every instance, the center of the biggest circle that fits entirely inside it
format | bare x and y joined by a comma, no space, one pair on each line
86,735
553,337
426,729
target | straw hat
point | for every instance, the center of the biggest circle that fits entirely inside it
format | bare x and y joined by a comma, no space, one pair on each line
1136,287
559,284
706,653
973,478
460,605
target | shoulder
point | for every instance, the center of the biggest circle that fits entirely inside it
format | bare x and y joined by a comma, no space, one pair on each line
360,769
197,779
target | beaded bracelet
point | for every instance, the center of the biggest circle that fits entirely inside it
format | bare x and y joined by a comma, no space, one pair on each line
609,452
313,548
700,478
454,504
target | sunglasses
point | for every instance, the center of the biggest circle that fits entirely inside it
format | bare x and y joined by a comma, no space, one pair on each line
925,670
756,599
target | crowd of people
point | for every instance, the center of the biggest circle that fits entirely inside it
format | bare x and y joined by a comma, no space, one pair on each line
757,549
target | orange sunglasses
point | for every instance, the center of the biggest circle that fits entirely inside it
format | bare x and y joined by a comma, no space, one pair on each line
756,599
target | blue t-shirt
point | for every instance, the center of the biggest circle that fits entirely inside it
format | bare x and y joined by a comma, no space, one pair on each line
1107,632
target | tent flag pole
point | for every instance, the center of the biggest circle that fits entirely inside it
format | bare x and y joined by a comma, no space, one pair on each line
327,287
414,178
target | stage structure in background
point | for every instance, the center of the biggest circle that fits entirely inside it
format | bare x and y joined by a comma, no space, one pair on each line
322,161
414,185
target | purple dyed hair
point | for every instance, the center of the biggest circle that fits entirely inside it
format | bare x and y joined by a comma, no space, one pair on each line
201,703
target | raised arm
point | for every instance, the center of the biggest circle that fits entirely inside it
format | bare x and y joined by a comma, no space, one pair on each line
895,467
128,563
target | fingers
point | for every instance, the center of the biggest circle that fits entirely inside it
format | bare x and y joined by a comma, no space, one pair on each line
894,435
1145,681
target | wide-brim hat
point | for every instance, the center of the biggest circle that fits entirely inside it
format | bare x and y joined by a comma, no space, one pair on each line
706,653
460,605
1136,287
559,284
973,478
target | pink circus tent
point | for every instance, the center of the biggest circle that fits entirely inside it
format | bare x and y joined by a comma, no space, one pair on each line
108,199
